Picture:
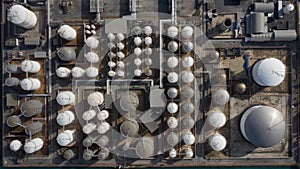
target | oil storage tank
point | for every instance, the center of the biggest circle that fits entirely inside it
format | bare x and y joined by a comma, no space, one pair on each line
31,108
67,54
65,98
34,128
30,66
22,16
33,145
67,32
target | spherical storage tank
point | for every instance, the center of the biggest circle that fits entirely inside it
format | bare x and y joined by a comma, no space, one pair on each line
65,98
187,77
33,145
30,84
33,128
172,31
13,121
148,41
216,119
67,32
15,145
217,142
172,122
31,108
129,128
67,54
65,138
120,36
172,153
89,115
187,62
172,62
268,72
144,148
103,127
188,122
173,46
12,81
172,139
263,126
137,51
120,45
172,77
221,97
189,138
92,72
172,92
148,51
187,32
187,46
92,57
148,30
92,42
65,118
189,152
103,115
120,55
21,16
95,99
77,72
172,107
137,41
288,8
188,107
111,37
88,128
63,72
30,66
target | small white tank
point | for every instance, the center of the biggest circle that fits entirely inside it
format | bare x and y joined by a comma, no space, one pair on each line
63,72
172,77
137,72
30,66
65,138
173,46
111,64
172,153
148,51
172,31
137,51
120,36
187,47
88,115
111,73
121,73
21,16
172,92
189,153
93,32
189,138
217,142
137,41
148,61
120,55
65,97
102,141
221,97
95,99
65,118
187,62
173,139
188,107
111,54
137,61
30,84
148,30
92,42
120,64
103,115
92,72
92,57
120,45
15,145
217,119
88,128
111,37
187,32
148,41
187,77
33,145
67,32
172,122
172,107
77,72
103,127
172,62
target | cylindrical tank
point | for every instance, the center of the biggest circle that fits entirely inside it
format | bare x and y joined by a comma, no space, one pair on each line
92,72
148,41
172,139
12,81
120,55
111,45
31,108
172,77
188,122
241,88
12,68
172,122
172,92
103,115
189,153
34,128
102,141
67,54
188,107
65,118
187,32
148,30
103,127
129,128
187,62
217,142
120,36
111,73
137,30
103,154
137,51
87,154
88,128
111,37
221,97
21,16
121,73
92,57
129,102
288,8
78,72
69,154
226,24
187,77
67,32
89,115
65,138
172,31
148,61
172,107
137,61
33,145
187,93
189,138
137,41
172,46
172,153
63,72
187,47
15,145
88,141
137,72
172,62
95,99
92,42
30,84
13,121
120,45
111,64
144,148
30,66
148,51
65,97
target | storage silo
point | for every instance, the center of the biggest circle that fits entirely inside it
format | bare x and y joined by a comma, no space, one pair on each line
65,138
21,16
172,92
88,128
103,127
172,122
13,121
111,45
144,148
33,128
31,108
263,126
172,31
187,32
187,47
30,66
187,77
95,99
92,72
172,77
103,115
65,97
88,115
172,107
77,72
148,41
67,54
268,72
12,81
67,32
189,138
173,46
137,30
120,64
30,84
63,72
92,57
64,118
129,128
121,73
187,62
15,145
216,119
33,145
172,139
217,142
137,41
148,30
172,62
220,97
92,42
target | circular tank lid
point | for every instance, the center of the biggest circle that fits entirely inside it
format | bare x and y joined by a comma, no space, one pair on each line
88,128
63,72
189,138
172,62
92,72
188,122
92,42
137,72
103,127
148,61
187,32
172,122
173,139
188,107
187,93
172,46
64,98
17,14
221,97
77,72
172,107
137,29
137,41
65,118
111,64
102,141
172,31
120,55
144,148
95,99
218,142
137,51
13,121
187,62
89,115
172,153
111,37
217,119
121,64
172,77
120,36
137,61
189,152
172,92
64,138
148,41
187,77
148,30
15,145
129,102
129,128
188,46
120,45
148,51
87,154
92,57
103,115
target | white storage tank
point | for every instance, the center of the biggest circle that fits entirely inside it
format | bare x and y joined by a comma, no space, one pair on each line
89,115
187,62
111,45
217,142
120,55
103,127
188,122
187,47
111,73
65,97
120,45
172,77
88,128
67,32
30,84
77,72
148,51
137,41
217,119
12,68
65,138
120,36
30,66
21,16
31,108
92,72
137,61
92,57
12,81
172,107
187,93
103,115
33,145
148,61
111,37
188,107
172,62
63,72
65,118
15,145
67,54
187,32
95,99
221,97
173,46
148,41
137,51
172,153
129,128
92,42
172,31
148,30
172,139
288,8
172,122
189,138
189,153
172,92
144,148
187,77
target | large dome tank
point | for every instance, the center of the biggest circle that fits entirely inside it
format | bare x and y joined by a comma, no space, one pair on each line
30,84
65,97
64,118
67,54
31,108
30,66
172,62
95,99
65,138
187,32
67,32
33,145
21,16
173,46
217,142
148,30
